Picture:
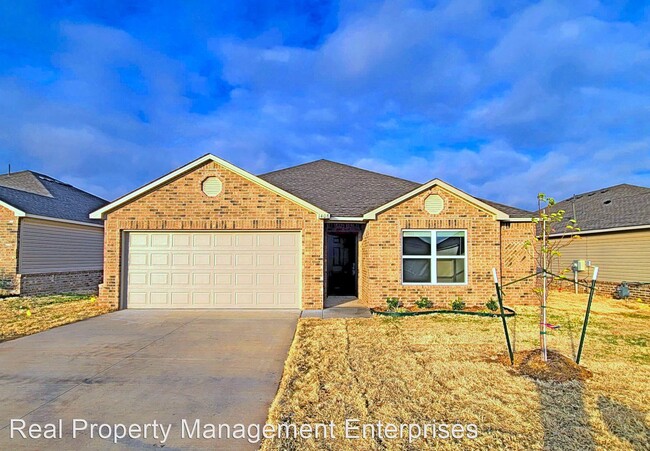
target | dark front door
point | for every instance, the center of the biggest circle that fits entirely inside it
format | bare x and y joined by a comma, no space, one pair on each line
342,264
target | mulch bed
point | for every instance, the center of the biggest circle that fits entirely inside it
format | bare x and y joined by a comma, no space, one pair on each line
558,368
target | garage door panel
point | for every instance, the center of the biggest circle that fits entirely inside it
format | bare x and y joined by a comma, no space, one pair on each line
213,270
287,260
223,260
181,279
223,280
265,280
181,240
265,299
180,299
201,279
286,299
287,279
158,259
157,298
223,240
160,240
265,260
201,240
138,259
202,299
159,278
244,298
202,260
223,299
137,278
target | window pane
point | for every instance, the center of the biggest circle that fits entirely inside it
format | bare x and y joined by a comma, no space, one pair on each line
450,270
417,270
416,243
450,243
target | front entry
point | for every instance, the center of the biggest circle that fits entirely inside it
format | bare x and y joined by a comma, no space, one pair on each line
342,264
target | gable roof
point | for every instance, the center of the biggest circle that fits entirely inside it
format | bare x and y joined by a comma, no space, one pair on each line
608,208
194,164
339,189
430,184
29,193
348,191
329,189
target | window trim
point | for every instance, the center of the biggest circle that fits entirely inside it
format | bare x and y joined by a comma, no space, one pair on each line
434,258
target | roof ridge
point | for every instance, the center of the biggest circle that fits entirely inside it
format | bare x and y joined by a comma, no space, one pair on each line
291,167
25,181
606,188
345,165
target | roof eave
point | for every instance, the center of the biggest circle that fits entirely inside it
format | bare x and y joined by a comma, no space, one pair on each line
14,210
608,230
100,213
518,220
65,221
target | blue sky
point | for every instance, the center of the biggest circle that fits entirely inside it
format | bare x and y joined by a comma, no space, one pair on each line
501,99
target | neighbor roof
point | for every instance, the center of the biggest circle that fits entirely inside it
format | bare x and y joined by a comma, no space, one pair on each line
347,191
608,208
339,189
37,194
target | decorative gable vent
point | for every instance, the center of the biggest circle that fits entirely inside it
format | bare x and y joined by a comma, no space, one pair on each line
434,204
212,186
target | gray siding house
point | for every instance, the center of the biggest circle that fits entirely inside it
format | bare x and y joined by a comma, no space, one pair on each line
615,236
48,244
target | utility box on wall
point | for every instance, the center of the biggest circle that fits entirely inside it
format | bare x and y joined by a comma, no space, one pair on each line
579,265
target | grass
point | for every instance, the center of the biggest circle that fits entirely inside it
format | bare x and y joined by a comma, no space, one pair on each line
20,316
447,369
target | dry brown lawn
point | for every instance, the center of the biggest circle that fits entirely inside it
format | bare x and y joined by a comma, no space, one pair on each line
20,316
444,369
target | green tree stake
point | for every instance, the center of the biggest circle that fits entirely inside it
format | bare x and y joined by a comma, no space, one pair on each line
584,325
503,316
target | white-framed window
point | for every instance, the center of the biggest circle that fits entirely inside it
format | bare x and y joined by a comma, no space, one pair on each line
434,257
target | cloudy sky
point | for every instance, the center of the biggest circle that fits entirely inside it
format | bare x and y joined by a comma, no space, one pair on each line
501,101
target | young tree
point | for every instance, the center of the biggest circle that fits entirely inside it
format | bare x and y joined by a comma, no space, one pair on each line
546,252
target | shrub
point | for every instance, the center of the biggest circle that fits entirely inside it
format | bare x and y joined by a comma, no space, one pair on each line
392,304
423,302
458,303
492,305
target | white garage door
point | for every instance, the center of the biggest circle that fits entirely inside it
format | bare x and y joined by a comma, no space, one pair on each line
213,270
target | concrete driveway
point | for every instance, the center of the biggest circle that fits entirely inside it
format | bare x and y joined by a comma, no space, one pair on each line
137,367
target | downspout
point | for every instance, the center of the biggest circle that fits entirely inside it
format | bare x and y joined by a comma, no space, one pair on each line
501,251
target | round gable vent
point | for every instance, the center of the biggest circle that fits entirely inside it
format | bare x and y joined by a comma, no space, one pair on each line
434,204
212,186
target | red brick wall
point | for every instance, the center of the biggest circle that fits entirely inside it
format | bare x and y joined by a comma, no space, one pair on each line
382,259
242,205
517,262
8,250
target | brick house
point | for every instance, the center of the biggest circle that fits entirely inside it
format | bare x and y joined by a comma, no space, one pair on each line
48,244
211,235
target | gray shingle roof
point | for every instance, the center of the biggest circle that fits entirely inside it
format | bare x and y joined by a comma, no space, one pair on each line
339,189
606,208
344,190
41,195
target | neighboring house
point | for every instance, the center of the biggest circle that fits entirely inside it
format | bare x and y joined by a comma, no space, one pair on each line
211,235
48,243
615,235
